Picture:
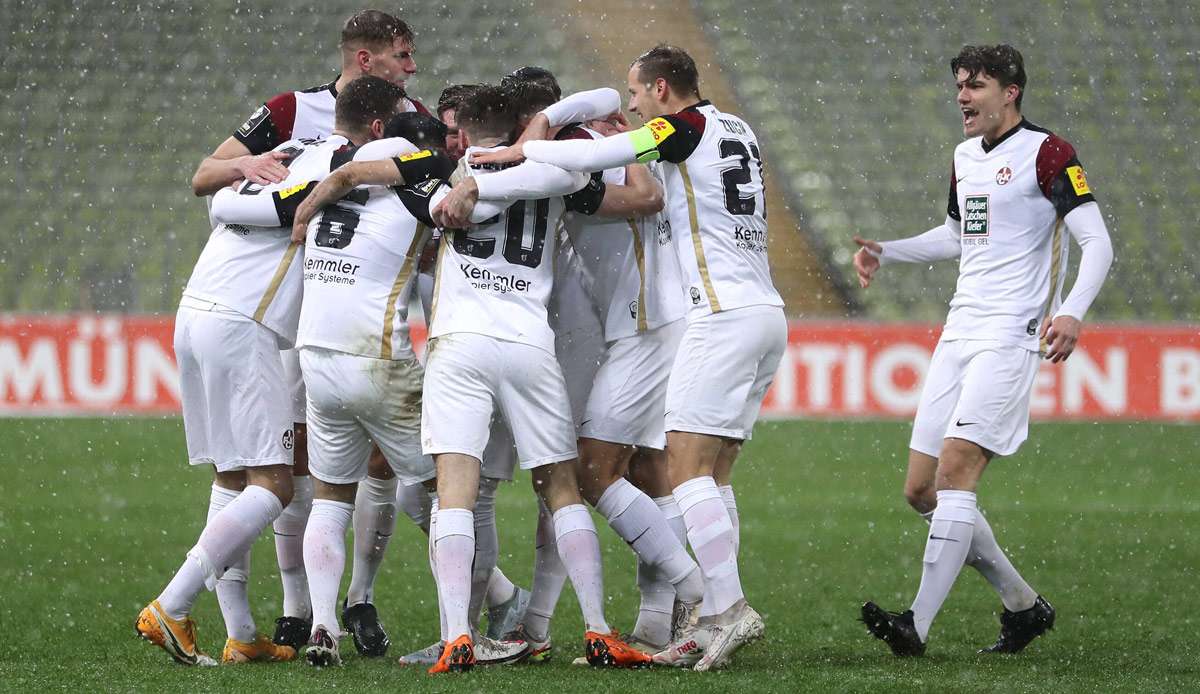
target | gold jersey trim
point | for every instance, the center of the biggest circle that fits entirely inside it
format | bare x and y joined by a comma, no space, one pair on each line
437,277
277,279
1056,253
389,312
701,262
639,253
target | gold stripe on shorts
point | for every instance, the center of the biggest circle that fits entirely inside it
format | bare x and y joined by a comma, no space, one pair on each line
701,263
276,280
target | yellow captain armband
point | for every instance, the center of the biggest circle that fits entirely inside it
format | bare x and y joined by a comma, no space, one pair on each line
645,143
416,155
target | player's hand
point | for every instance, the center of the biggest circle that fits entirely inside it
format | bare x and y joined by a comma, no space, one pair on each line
454,211
264,169
866,260
1061,335
619,122
304,215
538,129
507,155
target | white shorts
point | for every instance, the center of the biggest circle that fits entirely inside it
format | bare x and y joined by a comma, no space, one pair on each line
579,351
976,390
725,364
231,384
629,395
469,377
295,383
354,401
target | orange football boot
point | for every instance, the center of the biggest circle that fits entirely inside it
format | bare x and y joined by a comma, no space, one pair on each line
261,649
175,636
608,650
457,656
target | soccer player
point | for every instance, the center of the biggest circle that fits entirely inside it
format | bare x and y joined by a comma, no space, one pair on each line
736,331
630,288
1023,183
372,43
447,107
240,306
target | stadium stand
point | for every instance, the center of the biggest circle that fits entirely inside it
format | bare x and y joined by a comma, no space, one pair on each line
110,107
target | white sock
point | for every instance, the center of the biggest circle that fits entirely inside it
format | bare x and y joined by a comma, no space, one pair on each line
415,501
731,508
374,522
289,548
657,594
437,586
231,588
579,549
549,575
988,559
487,546
641,523
674,517
710,533
226,537
499,588
325,559
950,531
454,548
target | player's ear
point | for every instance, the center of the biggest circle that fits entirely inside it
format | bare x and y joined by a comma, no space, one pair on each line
377,129
362,58
1011,92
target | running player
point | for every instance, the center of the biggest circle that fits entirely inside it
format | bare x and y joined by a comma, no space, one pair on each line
1023,183
240,306
736,331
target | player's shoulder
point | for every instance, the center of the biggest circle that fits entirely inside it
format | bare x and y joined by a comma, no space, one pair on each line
575,131
419,107
1051,144
329,88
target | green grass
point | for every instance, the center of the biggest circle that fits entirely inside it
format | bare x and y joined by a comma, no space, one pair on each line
1103,519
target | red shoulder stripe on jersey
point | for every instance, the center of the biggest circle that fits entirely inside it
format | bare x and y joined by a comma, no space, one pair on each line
693,118
1052,158
283,114
573,131
419,106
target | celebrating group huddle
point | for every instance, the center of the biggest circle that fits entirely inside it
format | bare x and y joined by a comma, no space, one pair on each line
600,312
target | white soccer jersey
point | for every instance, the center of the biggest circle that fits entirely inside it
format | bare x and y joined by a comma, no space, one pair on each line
306,114
631,266
716,208
359,272
495,279
1010,198
255,270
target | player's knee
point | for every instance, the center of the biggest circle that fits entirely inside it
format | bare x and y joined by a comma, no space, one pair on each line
960,465
920,495
276,479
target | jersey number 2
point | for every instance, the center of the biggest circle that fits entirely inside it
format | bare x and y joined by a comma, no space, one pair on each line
731,179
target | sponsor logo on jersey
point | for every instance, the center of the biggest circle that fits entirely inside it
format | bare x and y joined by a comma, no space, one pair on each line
660,129
416,155
426,188
289,192
975,216
750,239
329,271
1004,175
254,120
695,294
481,278
664,232
1078,180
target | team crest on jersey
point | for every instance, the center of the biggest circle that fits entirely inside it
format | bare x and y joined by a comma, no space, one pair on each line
633,309
254,120
1004,175
975,216
1078,180
661,129
289,439
695,295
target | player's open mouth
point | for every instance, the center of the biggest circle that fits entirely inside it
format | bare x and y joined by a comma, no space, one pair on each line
969,115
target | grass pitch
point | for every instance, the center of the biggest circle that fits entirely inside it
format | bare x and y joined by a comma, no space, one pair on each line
1102,519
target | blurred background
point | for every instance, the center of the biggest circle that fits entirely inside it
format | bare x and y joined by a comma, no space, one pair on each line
109,107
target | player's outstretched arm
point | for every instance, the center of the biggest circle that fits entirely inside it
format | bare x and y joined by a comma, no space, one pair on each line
344,179
1086,225
641,195
866,260
232,161
939,243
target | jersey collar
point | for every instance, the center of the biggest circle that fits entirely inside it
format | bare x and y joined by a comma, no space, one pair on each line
696,106
1012,131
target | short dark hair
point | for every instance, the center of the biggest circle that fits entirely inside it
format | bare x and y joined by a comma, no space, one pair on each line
672,64
421,129
1002,63
365,99
452,96
374,28
529,98
537,75
489,111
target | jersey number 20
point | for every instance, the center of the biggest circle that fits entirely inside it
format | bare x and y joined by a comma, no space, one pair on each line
516,251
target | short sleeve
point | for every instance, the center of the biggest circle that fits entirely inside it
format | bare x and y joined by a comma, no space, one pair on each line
1060,176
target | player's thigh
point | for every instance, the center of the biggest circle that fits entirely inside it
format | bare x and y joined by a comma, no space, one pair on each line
249,418
391,414
192,396
628,399
533,396
993,407
338,444
715,371
939,395
462,377
769,340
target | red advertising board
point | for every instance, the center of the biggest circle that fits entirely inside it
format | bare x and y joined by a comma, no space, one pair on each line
121,364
